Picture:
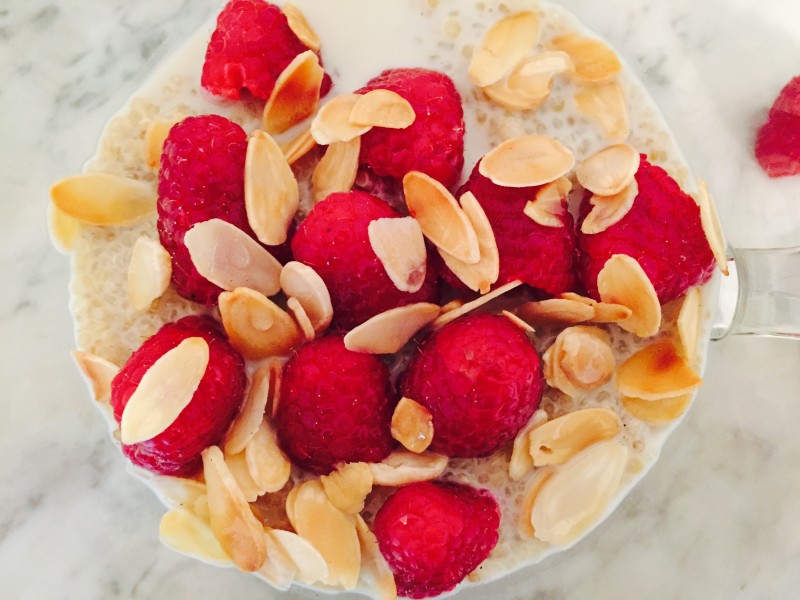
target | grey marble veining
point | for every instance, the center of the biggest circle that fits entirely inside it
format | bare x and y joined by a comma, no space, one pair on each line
715,519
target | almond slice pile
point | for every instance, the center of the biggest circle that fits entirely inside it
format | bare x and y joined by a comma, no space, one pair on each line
402,467
400,246
529,84
375,570
604,312
550,204
279,569
387,332
303,283
532,490
309,563
503,46
595,63
412,425
657,372
610,170
337,170
332,122
295,95
580,359
557,441
268,466
149,273
451,315
186,533
623,281
609,210
348,486
98,372
382,108
605,104
301,318
100,199
555,310
527,161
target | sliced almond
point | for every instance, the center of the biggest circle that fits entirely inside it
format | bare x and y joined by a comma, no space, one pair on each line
268,466
164,391
62,228
302,319
595,63
481,275
300,27
527,161
521,462
149,273
98,372
555,310
578,493
298,147
172,491
604,312
311,565
531,493
337,170
256,326
374,569
550,205
400,246
279,569
657,372
657,411
237,530
402,467
623,281
348,486
518,322
251,413
452,305
709,219
605,104
557,441
609,171
382,108
186,533
302,282
580,359
452,315
387,332
275,375
237,465
295,95
503,46
529,83
100,199
332,123
609,210
514,98
689,323
412,425
440,217
154,138
271,195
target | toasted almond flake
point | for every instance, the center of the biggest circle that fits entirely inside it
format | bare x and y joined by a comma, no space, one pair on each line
604,312
623,281
348,486
580,359
374,569
295,95
332,123
555,310
709,219
532,490
237,530
557,441
100,199
331,531
299,313
521,462
527,161
337,170
310,564
528,85
62,228
504,45
412,425
550,205
302,282
440,217
279,569
657,411
452,305
445,318
164,391
609,210
188,534
689,323
251,413
237,465
518,322
154,137
271,195
172,491
275,375
402,467
387,332
595,63
657,372
291,497
268,466
98,372
149,272
481,275
514,98
298,147
256,326
609,171
382,108
300,27
400,246
578,493
605,104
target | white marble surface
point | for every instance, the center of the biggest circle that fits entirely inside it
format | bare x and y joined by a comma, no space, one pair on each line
717,517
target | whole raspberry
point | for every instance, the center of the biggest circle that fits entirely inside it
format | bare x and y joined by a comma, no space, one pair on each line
434,143
249,49
334,240
542,257
335,406
480,378
176,451
433,535
201,177
662,231
778,140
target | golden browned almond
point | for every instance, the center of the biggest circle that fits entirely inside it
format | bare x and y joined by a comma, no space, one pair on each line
237,465
527,161
518,322
299,146
251,413
275,375
387,332
580,359
237,530
529,83
557,441
689,323
303,282
149,272
514,98
337,170
310,564
256,326
657,411
279,569
268,466
521,462
555,310
348,486
532,490
605,104
451,315
604,312
578,493
412,425
295,95
623,281
549,206
402,467
300,27
610,170
100,199
609,210
503,46
440,217
154,138
400,246
452,305
332,123
164,391
657,372
375,571
62,228
481,275
98,372
186,533
709,219
303,321
174,491
382,108
594,62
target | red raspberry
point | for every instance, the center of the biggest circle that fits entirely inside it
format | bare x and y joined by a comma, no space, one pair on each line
176,451
662,231
778,141
201,177
334,240
434,143
249,49
435,534
481,379
540,256
335,406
